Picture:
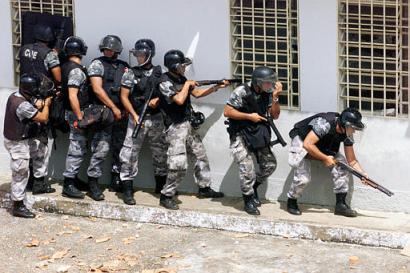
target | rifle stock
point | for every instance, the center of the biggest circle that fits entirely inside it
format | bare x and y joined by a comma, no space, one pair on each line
279,138
208,82
143,112
369,181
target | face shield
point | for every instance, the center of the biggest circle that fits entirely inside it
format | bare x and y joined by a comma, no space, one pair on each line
353,133
267,84
180,69
142,55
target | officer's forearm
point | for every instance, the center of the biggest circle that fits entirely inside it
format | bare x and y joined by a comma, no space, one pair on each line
126,101
56,71
42,116
180,97
232,113
275,110
74,103
197,93
102,95
314,151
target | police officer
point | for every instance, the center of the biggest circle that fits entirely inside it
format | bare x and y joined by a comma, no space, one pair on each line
41,59
75,88
175,102
136,85
246,110
21,127
318,137
105,75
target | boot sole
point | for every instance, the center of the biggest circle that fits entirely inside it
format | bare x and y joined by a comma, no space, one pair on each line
74,197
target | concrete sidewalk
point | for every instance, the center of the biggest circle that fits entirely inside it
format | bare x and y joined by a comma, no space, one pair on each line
316,223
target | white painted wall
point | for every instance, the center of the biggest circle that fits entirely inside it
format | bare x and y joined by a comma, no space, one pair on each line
6,48
384,148
318,55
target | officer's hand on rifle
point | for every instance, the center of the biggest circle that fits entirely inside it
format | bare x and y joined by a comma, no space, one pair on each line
329,161
223,85
48,101
255,117
117,113
191,84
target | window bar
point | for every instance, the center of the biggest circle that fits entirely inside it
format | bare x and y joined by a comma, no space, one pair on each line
242,42
371,59
289,53
397,39
276,36
253,32
347,56
384,59
360,52
264,33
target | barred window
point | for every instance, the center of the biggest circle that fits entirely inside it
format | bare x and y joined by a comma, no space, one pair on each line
265,32
373,56
18,7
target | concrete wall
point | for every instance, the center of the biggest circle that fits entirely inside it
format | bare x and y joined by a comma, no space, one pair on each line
384,147
6,48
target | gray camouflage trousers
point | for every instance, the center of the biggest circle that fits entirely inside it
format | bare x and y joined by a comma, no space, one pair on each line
20,152
153,128
302,170
183,140
117,132
100,146
247,174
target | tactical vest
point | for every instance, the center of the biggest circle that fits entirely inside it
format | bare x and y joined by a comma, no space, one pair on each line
14,129
328,144
175,113
83,95
113,71
142,89
32,58
252,103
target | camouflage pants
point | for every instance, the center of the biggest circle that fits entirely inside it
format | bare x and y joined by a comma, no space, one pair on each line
247,174
302,171
183,140
118,132
78,149
20,153
153,128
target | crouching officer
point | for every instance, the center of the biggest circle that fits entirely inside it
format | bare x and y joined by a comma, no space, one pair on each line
250,134
175,102
105,75
136,86
23,117
319,137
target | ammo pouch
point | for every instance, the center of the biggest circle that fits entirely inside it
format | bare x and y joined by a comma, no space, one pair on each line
196,119
31,129
256,136
96,117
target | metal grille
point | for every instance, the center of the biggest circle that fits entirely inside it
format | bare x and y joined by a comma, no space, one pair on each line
373,56
58,7
265,32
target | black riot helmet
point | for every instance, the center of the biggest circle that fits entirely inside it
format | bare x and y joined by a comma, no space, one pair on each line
146,46
264,74
174,60
111,42
29,85
351,117
44,33
75,46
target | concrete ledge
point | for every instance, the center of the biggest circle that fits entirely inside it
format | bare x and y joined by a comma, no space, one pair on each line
214,219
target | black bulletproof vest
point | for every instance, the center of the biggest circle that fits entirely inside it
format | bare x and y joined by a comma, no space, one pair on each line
113,71
252,103
32,58
175,113
142,88
328,144
83,95
14,129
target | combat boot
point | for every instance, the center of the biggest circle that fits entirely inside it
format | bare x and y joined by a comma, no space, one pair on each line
128,192
40,185
250,206
69,189
292,207
20,210
342,208
95,191
168,202
207,192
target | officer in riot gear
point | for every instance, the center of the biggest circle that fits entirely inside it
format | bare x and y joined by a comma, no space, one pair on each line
175,103
24,114
136,85
250,134
318,137
39,58
105,75
77,98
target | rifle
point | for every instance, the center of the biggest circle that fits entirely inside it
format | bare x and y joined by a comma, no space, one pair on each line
279,138
144,110
368,181
208,82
